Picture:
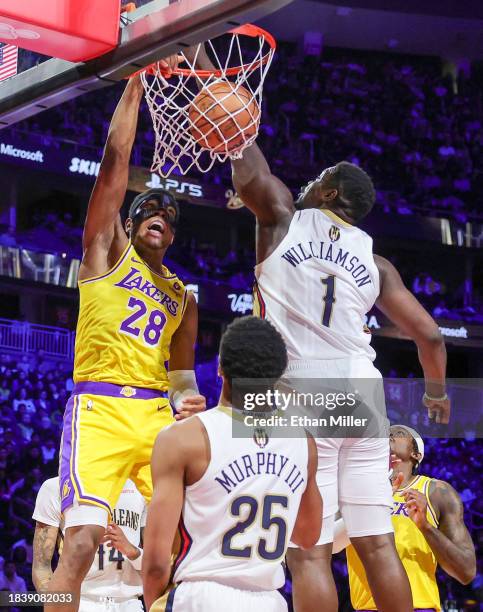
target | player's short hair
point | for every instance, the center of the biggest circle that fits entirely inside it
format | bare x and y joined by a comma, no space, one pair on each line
356,193
356,190
252,348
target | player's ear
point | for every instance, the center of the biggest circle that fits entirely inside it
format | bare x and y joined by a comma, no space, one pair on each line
327,195
128,225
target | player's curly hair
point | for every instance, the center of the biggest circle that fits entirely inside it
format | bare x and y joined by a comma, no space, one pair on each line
252,348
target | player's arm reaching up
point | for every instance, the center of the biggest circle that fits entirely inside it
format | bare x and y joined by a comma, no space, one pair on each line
104,238
262,192
404,310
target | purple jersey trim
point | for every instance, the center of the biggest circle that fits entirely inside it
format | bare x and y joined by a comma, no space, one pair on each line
111,390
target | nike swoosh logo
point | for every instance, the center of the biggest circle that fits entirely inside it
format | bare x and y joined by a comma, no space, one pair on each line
136,260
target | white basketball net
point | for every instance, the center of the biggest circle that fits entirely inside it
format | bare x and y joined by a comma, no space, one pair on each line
170,100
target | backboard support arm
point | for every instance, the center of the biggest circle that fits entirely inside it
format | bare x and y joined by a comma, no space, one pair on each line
176,26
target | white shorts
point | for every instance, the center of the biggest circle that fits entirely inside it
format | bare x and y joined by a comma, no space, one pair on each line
109,604
210,596
350,470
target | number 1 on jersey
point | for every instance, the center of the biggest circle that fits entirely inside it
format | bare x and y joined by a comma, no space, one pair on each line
329,299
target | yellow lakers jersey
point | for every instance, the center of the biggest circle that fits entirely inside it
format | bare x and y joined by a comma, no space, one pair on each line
126,319
416,556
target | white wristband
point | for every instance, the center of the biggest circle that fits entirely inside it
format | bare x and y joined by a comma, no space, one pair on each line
182,383
137,562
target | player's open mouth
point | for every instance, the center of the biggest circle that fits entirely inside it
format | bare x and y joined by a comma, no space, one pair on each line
156,228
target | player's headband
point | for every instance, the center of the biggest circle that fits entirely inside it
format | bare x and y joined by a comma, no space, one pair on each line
416,437
138,211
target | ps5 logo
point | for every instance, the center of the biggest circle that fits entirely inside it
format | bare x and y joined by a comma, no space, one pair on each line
241,302
191,189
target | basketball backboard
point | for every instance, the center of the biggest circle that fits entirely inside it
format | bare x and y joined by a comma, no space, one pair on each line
155,29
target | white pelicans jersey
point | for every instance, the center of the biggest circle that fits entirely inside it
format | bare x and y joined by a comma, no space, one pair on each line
318,285
110,575
237,520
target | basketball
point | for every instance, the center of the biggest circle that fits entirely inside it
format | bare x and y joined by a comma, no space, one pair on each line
223,117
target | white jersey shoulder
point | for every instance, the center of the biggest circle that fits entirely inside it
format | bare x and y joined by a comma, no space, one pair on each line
317,287
238,518
110,574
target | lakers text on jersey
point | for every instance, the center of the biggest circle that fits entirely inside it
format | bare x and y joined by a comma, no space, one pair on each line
126,320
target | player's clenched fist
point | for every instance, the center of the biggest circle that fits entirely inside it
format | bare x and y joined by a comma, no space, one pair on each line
416,507
115,538
190,405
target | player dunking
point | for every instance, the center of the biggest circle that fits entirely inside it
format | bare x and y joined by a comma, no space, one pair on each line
316,278
114,580
236,499
134,317
311,260
429,529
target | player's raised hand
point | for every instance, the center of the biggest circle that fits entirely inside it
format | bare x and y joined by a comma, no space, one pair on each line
115,538
416,507
190,405
439,409
168,64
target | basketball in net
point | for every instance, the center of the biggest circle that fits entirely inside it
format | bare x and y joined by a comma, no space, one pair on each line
203,116
224,116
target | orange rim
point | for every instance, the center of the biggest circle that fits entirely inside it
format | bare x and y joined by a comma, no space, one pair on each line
246,30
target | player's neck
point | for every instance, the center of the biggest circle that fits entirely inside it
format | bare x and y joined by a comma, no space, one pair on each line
153,259
407,471
338,213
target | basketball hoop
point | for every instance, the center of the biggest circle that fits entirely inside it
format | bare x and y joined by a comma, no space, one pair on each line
185,129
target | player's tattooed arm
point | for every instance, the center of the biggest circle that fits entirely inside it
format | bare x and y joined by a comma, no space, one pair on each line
45,540
110,188
450,542
413,321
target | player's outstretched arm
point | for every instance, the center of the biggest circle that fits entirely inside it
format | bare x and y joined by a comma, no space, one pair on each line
262,192
45,539
183,389
450,542
309,518
404,310
164,511
102,244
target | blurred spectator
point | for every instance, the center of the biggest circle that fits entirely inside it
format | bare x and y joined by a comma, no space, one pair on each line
10,580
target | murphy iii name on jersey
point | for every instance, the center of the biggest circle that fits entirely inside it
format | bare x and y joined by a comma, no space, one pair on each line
256,464
135,280
296,255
